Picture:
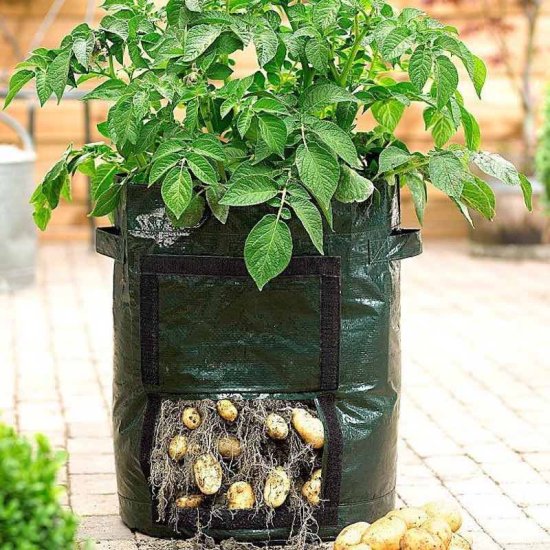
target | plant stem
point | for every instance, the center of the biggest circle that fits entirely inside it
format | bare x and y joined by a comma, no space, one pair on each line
354,49
111,67
281,206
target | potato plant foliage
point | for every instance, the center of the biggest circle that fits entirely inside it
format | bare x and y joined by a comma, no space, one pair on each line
283,136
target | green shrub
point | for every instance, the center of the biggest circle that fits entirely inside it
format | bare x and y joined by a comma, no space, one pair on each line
31,516
543,152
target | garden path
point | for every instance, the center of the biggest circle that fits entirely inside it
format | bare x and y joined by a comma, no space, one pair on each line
475,412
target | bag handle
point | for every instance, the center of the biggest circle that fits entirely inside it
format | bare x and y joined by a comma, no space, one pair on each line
108,242
23,135
398,245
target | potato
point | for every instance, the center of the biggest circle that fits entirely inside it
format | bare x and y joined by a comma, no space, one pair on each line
312,488
276,427
189,501
309,428
420,539
350,538
446,510
229,446
177,448
413,517
277,487
458,542
240,496
227,410
191,418
385,533
440,528
208,474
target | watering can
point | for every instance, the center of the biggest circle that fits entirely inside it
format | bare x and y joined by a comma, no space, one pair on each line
17,231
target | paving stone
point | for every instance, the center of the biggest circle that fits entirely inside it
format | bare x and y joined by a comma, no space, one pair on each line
103,528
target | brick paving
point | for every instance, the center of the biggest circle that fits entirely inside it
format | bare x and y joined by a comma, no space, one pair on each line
475,417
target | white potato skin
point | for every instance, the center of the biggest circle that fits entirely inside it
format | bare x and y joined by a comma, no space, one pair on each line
446,510
413,517
458,542
227,410
420,539
276,427
311,490
240,496
229,447
309,428
189,501
277,487
208,474
350,537
191,418
440,528
177,448
385,533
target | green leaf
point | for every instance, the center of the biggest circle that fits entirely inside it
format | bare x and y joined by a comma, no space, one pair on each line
268,249
198,40
110,90
310,217
417,187
446,80
214,194
201,168
353,187
176,190
392,157
107,201
244,120
103,178
527,191
123,124
420,66
478,74
447,174
58,73
396,43
193,213
42,215
478,195
43,90
319,171
162,165
442,130
169,148
497,166
273,132
319,96
17,81
191,121
337,139
209,146
266,43
325,12
249,191
83,48
472,133
318,54
388,112
270,105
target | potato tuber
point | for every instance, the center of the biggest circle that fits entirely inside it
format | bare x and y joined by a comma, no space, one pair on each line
240,496
208,474
277,487
177,448
312,488
276,427
227,410
191,418
309,428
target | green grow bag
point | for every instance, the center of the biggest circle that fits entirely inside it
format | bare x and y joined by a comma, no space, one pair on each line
189,323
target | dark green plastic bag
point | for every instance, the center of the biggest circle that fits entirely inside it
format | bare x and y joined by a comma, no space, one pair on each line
190,323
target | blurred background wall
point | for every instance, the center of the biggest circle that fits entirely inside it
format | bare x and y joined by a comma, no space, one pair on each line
500,31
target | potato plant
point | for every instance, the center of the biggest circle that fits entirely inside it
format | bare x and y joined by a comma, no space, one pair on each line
283,136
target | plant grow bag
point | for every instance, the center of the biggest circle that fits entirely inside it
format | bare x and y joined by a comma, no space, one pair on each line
189,323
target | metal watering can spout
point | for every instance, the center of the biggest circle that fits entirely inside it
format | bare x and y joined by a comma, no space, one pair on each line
17,231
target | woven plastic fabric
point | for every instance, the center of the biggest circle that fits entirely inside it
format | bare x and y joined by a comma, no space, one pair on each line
189,323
